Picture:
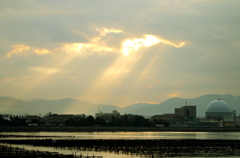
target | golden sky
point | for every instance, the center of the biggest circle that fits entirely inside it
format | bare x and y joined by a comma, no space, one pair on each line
119,52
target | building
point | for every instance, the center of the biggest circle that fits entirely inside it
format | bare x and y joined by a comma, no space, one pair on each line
221,110
219,122
6,116
228,121
168,117
218,109
108,116
237,121
33,119
55,119
188,111
113,113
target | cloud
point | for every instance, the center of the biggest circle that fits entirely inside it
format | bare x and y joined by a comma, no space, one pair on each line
148,87
172,95
19,48
41,51
99,45
173,44
44,70
9,79
104,31
132,45
95,45
148,102
82,48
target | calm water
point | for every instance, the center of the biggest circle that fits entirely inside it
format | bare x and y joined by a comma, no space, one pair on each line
120,135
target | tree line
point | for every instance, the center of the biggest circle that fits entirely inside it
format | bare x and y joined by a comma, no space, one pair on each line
137,121
13,121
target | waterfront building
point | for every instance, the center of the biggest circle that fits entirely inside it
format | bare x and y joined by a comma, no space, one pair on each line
237,121
6,116
30,118
221,110
228,121
55,119
187,111
113,113
218,109
219,122
168,117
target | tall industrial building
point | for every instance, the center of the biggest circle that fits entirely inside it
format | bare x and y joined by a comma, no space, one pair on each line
188,111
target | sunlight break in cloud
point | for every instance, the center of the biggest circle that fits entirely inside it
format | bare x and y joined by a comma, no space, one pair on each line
104,31
19,48
82,47
99,45
148,102
134,44
41,51
131,45
172,95
44,70
96,44
148,87
9,79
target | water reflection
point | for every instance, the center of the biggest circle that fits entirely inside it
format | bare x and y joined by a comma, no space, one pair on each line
116,135
133,135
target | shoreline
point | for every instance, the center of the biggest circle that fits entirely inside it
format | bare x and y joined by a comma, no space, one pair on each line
119,129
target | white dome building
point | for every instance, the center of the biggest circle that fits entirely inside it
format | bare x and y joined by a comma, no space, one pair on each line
218,109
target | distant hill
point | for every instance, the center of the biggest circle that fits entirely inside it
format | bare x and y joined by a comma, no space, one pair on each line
38,106
169,105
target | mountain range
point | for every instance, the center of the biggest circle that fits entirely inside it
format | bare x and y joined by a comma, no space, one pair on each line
38,106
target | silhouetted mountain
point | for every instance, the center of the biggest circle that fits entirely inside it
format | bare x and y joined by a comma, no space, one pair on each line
201,102
38,106
132,108
34,100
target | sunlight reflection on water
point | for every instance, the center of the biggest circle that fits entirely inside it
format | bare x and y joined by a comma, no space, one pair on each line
117,135
133,135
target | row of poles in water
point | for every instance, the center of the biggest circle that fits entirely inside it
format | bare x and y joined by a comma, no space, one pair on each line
146,147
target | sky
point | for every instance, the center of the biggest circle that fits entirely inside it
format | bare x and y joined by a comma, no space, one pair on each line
119,52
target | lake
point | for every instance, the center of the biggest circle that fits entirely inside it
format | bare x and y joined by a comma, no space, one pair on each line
117,135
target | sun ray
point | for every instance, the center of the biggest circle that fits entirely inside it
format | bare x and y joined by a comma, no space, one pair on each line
111,78
73,49
145,72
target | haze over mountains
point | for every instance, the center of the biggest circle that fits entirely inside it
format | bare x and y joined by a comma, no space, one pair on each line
38,106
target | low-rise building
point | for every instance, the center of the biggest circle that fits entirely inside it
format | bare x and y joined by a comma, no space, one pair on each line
188,111
30,118
218,121
168,117
55,119
6,116
113,113
228,121
237,121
